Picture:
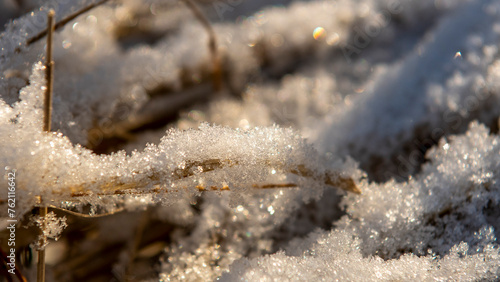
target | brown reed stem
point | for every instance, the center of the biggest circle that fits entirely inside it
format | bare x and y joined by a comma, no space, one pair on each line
114,187
49,64
212,44
64,21
46,127
40,275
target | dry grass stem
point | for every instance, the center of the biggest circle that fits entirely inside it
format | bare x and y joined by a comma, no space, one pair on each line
49,73
212,44
40,275
78,214
46,127
64,21
115,187
153,184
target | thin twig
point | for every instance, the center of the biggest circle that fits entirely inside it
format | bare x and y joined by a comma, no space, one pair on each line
331,179
212,44
114,187
134,247
46,127
78,214
40,276
49,73
108,189
64,21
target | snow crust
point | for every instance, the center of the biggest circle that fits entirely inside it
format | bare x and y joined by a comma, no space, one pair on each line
405,231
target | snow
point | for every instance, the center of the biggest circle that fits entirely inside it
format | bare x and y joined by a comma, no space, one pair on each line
336,256
214,156
399,99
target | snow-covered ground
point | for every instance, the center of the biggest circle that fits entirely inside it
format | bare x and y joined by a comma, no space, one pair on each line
397,98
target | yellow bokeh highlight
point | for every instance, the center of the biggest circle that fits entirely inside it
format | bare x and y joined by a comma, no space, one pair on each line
319,33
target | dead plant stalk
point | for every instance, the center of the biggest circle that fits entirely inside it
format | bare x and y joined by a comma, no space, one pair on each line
46,127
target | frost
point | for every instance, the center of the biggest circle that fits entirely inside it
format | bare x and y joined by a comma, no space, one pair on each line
51,226
442,94
436,226
211,157
336,255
